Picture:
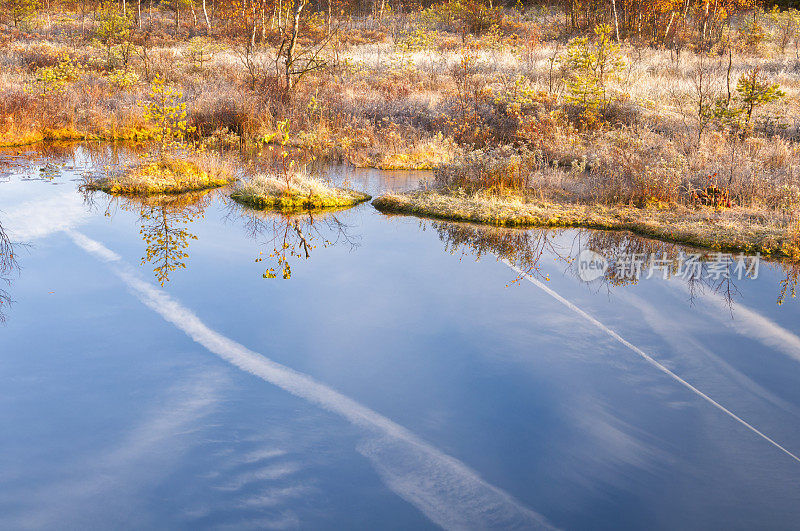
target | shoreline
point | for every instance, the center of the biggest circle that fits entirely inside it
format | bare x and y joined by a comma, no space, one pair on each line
406,161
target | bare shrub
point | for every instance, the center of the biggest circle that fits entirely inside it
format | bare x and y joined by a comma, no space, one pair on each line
636,166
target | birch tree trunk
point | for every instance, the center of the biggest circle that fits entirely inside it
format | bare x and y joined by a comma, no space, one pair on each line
298,7
616,20
205,14
330,8
263,21
194,15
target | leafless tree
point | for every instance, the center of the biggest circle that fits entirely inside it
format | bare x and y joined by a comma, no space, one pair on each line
292,62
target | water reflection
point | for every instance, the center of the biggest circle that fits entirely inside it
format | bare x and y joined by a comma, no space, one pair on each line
8,263
164,223
289,236
660,259
526,249
523,248
789,283
165,220
588,423
164,229
51,161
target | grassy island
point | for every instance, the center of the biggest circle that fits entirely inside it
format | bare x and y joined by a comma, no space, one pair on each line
297,193
161,177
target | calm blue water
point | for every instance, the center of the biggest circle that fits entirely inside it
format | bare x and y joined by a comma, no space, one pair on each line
395,381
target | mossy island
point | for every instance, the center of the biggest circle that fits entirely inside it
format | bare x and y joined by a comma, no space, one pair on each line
296,192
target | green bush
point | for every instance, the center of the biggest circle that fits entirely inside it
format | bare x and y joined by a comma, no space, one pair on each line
591,65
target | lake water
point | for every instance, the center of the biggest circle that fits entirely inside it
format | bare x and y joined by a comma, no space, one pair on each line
410,373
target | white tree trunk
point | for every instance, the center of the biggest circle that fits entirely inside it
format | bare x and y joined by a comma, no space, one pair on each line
205,14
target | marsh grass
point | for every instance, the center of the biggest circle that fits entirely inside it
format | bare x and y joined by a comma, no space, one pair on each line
301,192
391,151
736,229
397,95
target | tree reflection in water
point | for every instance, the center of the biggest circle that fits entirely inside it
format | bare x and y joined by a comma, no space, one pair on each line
164,226
164,229
523,248
292,235
8,263
789,283
526,248
616,245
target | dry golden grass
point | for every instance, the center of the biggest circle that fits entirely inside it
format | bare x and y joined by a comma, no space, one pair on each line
407,154
300,193
735,229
